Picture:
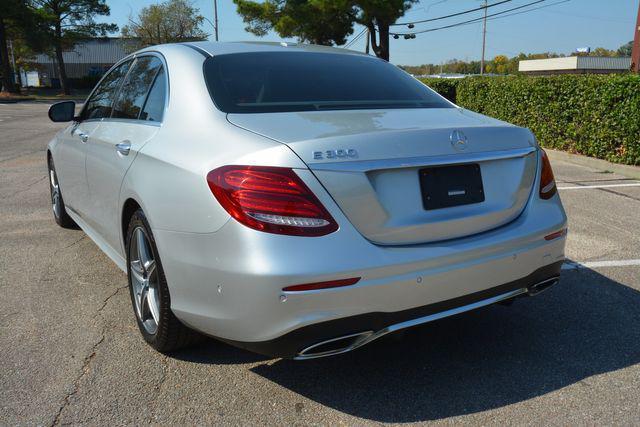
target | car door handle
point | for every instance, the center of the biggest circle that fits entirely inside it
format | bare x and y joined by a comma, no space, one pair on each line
123,148
83,136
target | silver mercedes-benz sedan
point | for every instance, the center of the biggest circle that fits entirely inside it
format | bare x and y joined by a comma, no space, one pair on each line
300,201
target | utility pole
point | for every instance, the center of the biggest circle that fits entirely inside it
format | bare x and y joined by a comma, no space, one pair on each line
16,72
635,53
366,49
484,37
215,17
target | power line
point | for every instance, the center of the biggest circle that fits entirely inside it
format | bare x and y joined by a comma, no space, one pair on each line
452,15
355,39
469,21
596,18
491,17
531,10
521,12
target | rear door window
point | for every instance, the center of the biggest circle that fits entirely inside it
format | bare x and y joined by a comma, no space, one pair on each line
101,101
153,109
136,87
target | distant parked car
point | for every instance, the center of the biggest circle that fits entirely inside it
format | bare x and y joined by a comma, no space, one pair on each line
300,201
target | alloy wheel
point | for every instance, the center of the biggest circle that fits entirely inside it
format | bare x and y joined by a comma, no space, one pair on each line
144,280
55,194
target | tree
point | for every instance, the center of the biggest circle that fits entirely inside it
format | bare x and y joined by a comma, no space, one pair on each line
601,51
168,22
625,49
377,16
67,22
500,64
324,22
18,23
318,22
8,83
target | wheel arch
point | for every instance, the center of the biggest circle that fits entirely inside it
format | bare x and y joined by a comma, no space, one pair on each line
49,157
129,207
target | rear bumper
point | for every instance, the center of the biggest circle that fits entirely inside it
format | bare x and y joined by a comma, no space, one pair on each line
229,284
307,342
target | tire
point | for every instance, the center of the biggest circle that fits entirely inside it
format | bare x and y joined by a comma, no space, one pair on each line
149,292
57,202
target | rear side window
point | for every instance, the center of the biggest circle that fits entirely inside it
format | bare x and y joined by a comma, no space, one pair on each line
135,87
153,109
302,81
101,101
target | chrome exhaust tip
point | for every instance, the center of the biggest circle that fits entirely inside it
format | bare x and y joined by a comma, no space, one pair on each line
350,342
542,286
335,346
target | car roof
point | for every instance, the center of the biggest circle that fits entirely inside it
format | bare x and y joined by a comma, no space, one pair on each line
221,48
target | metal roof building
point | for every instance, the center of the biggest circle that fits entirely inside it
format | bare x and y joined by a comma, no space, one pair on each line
91,57
575,65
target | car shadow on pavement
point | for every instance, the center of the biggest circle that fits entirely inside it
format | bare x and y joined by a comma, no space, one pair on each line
212,351
499,355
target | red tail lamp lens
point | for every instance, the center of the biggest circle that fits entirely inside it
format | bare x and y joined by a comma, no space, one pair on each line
547,181
322,285
555,235
270,199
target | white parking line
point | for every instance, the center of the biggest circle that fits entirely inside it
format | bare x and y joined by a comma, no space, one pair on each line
572,265
586,187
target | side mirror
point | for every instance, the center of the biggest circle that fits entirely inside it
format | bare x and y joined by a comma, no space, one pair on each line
62,111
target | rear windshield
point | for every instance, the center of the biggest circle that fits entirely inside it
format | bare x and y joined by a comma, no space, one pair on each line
261,82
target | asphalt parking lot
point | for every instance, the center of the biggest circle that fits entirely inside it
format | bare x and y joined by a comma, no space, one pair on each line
70,351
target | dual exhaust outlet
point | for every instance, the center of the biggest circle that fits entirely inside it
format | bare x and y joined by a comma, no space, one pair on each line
351,342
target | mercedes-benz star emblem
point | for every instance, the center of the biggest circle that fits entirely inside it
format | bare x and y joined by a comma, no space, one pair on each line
458,140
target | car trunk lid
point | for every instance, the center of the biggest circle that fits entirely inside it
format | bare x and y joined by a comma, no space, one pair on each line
385,167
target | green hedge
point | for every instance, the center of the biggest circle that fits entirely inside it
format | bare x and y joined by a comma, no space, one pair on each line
594,115
445,87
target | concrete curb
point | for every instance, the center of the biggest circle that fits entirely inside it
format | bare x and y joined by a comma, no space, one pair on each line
590,162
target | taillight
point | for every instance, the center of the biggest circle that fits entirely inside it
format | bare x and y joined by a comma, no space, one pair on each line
270,199
547,181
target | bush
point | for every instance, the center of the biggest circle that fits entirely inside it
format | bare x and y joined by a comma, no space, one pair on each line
445,87
594,115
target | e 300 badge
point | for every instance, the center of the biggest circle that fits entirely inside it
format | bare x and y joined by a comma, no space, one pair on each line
335,154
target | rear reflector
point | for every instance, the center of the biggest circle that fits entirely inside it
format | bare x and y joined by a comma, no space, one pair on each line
270,199
547,181
559,233
322,285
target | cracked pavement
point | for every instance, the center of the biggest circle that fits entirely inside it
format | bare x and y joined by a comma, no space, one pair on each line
70,351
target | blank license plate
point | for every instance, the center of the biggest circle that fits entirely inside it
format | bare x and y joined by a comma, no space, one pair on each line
448,186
